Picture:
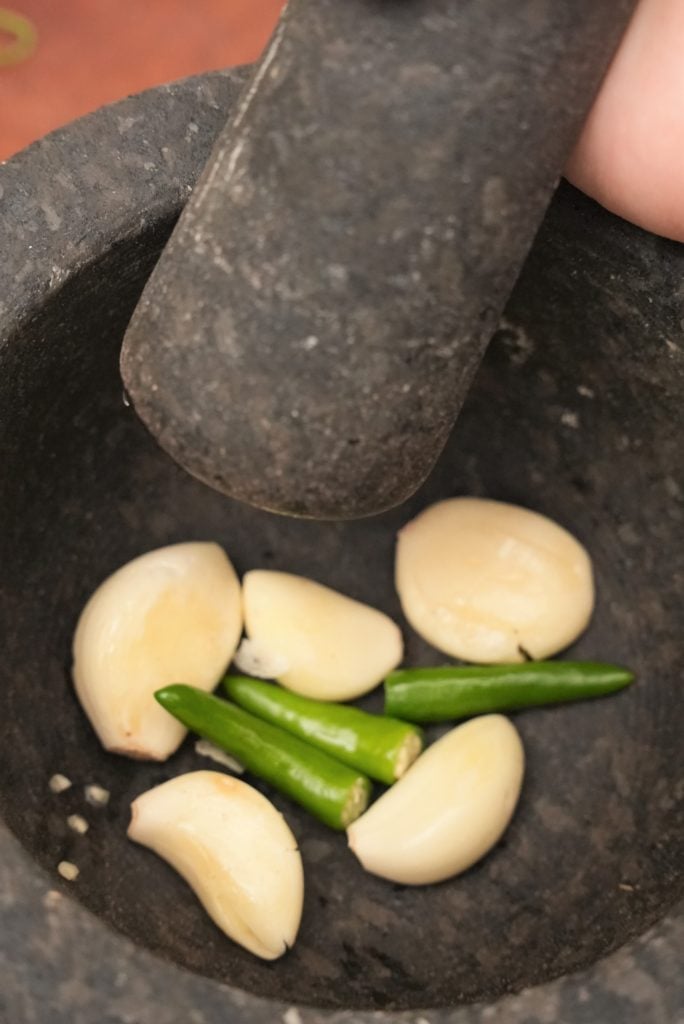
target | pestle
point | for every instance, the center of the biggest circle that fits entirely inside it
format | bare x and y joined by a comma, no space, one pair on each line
310,332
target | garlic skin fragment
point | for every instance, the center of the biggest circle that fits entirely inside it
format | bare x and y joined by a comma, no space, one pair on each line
96,796
59,783
262,664
449,809
334,648
174,614
203,748
234,849
68,871
484,581
78,824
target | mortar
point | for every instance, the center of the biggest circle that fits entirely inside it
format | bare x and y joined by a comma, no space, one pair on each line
576,411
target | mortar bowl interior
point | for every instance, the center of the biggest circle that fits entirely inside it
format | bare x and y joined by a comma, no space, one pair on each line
577,413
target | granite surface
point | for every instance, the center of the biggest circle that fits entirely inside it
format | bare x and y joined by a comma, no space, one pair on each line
58,962
59,965
354,239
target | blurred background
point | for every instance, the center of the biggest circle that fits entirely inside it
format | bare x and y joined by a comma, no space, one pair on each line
62,58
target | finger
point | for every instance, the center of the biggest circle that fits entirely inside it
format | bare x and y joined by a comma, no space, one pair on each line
631,152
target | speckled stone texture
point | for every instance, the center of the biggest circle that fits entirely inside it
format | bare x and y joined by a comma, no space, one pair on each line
350,247
576,411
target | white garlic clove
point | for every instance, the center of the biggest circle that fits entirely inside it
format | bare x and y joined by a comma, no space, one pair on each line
334,648
172,615
489,582
234,849
448,810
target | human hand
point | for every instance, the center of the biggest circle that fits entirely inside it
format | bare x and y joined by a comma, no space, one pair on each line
630,155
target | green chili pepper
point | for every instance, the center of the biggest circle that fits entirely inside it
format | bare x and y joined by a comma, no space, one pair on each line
440,694
381,747
332,792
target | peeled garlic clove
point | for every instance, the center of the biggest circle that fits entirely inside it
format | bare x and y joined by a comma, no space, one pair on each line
172,615
234,849
326,645
490,582
448,810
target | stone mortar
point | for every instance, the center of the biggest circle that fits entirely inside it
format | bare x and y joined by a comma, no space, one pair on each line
594,328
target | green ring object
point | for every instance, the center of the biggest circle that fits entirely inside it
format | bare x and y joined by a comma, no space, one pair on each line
25,38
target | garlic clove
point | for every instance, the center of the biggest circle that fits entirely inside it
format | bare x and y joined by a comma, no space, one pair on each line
172,615
234,849
448,810
489,582
326,645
